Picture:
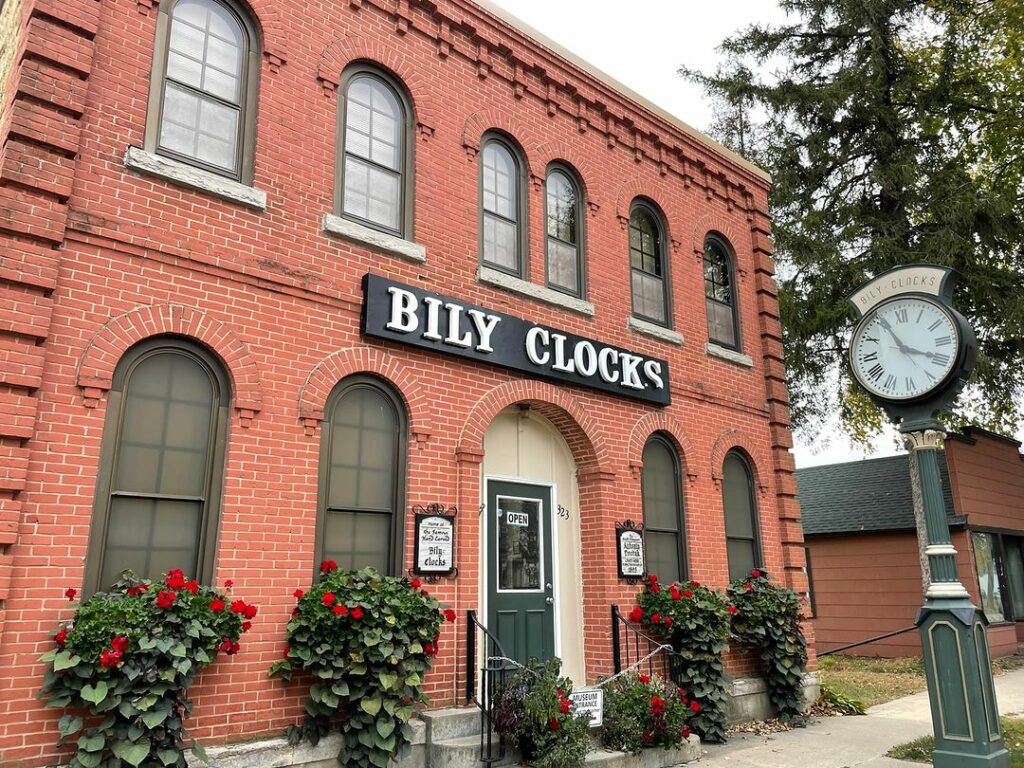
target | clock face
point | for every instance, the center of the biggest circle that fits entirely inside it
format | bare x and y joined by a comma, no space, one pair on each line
904,348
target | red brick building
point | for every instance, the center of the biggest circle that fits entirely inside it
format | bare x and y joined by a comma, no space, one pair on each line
191,193
862,547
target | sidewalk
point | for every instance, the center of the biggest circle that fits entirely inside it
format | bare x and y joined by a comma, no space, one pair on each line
844,742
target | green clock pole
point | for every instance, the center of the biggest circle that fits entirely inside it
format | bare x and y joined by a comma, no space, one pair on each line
965,717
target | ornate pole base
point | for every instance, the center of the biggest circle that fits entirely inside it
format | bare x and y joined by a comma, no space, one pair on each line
965,717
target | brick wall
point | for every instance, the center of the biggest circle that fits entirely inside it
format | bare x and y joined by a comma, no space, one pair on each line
95,257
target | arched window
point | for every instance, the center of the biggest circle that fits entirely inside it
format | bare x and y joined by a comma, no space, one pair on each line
648,264
362,477
203,99
664,532
502,209
564,232
374,185
720,290
741,534
158,490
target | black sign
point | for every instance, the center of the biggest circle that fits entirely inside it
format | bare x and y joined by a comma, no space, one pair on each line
629,540
411,315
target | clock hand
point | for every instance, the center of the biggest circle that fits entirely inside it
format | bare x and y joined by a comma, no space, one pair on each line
885,324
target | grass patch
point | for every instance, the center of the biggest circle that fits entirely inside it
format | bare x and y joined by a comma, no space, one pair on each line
875,681
921,749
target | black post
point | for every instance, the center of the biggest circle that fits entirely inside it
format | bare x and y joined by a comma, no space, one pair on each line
616,653
470,655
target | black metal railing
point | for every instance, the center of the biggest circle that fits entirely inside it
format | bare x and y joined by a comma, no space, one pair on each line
484,691
631,647
870,640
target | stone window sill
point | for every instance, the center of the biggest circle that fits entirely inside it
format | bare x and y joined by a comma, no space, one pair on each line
186,175
729,355
381,241
655,331
540,292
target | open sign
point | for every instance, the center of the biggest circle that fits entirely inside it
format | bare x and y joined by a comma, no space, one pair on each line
521,519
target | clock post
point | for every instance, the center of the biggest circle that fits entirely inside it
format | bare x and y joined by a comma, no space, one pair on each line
913,353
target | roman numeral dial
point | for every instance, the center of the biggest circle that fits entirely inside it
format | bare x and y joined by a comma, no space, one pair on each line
904,348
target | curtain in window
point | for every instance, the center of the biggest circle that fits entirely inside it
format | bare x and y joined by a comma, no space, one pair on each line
663,511
740,517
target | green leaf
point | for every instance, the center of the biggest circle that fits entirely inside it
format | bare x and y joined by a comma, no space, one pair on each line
49,656
414,679
91,742
385,727
69,724
179,651
64,660
89,759
371,706
131,753
387,679
198,751
94,694
154,718
167,756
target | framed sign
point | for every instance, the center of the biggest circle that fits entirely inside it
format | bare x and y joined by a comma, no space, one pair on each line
629,541
435,540
589,701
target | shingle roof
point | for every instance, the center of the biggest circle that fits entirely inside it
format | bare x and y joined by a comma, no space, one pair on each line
869,495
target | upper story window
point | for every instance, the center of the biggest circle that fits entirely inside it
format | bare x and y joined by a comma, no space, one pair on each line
720,292
502,207
664,534
741,535
564,232
648,264
362,477
203,100
158,489
375,187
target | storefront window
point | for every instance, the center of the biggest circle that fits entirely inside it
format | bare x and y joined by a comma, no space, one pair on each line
986,560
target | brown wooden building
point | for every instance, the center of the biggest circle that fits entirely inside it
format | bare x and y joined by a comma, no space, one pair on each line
862,555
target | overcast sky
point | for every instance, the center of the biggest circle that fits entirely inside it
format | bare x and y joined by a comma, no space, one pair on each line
643,48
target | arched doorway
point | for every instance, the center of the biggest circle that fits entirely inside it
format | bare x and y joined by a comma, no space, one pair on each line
531,579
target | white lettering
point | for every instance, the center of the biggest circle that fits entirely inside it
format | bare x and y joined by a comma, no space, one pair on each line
606,357
561,363
533,336
403,311
433,316
585,357
485,325
653,370
629,375
454,321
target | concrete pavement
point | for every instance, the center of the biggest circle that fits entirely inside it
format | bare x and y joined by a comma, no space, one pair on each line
845,742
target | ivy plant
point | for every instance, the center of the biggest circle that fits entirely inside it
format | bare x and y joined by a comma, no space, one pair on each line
767,619
695,621
126,660
642,712
367,640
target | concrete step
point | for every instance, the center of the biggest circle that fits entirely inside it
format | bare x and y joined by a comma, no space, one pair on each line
464,752
451,723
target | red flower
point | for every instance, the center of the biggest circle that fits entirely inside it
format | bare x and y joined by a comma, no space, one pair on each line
636,615
250,611
553,724
328,598
119,644
70,593
695,584
110,659
192,586
175,579
644,679
340,610
648,737
449,614
415,583
61,637
656,618
748,586
668,621
424,592
756,573
682,693
657,706
246,626
676,595
695,705
732,610
686,731
229,584
327,566
687,593
239,606
165,599
655,588
652,579
138,589
429,649
216,605
287,650
224,646
298,594
357,613
564,705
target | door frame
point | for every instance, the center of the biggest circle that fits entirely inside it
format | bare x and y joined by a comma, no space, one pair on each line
485,559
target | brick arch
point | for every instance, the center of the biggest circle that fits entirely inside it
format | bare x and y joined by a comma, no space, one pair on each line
105,349
720,225
478,123
630,191
737,439
267,14
345,362
659,421
344,51
587,175
582,433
